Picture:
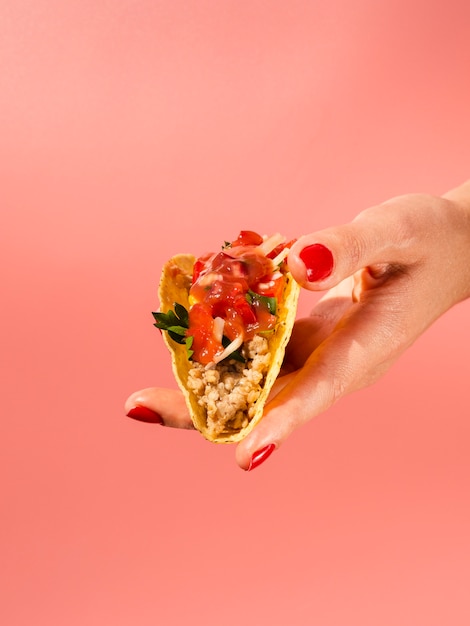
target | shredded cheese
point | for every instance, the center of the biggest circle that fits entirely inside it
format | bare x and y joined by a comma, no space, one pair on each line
218,333
281,256
234,345
270,243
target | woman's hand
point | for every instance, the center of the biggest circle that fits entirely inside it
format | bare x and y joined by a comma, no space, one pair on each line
389,274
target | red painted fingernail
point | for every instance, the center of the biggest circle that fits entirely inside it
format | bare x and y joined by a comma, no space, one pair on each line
143,414
261,455
318,261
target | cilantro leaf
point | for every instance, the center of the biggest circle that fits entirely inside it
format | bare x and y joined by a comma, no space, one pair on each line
268,302
182,314
236,354
189,342
176,322
177,330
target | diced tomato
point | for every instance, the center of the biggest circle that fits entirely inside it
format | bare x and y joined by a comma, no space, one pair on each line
221,294
248,238
269,287
221,282
234,302
230,267
266,320
199,265
244,310
273,254
234,325
201,328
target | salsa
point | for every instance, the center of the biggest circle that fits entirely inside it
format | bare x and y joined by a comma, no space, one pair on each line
234,295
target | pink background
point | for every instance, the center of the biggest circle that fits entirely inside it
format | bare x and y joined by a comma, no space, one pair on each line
134,129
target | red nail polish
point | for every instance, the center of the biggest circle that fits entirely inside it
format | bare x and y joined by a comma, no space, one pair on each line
143,414
318,261
261,455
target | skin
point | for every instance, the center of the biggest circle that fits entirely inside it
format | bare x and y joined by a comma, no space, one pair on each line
380,297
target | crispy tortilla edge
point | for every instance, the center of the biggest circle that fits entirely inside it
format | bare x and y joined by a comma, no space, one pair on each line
174,287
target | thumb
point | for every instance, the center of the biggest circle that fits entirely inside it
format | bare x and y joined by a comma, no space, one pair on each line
376,237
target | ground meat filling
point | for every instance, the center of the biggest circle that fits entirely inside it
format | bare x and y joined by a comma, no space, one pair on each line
229,390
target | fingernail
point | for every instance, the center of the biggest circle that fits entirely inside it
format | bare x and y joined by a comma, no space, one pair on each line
143,414
261,455
318,261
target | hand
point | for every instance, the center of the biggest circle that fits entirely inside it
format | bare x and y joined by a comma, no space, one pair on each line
389,274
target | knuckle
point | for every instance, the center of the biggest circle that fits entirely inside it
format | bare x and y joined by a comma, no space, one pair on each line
354,245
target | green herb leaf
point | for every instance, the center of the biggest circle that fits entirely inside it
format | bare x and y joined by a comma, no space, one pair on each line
182,314
177,330
266,301
236,355
176,322
189,342
266,333
165,319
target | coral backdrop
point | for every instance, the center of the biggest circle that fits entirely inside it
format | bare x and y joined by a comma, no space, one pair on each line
134,129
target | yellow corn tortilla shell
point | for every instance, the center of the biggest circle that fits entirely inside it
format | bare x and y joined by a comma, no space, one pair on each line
174,287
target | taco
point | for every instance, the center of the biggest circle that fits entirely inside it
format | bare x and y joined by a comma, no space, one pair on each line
226,318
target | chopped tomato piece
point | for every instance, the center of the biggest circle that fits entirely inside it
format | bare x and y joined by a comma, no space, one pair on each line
199,265
248,238
234,326
230,267
201,328
222,283
222,294
237,303
280,248
244,310
265,319
270,287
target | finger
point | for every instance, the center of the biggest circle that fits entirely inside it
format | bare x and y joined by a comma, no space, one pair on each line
307,335
347,360
309,332
160,406
379,237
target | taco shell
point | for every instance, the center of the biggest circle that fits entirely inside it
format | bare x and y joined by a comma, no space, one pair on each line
174,288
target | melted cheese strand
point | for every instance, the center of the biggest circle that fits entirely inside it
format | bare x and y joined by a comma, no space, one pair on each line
270,243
